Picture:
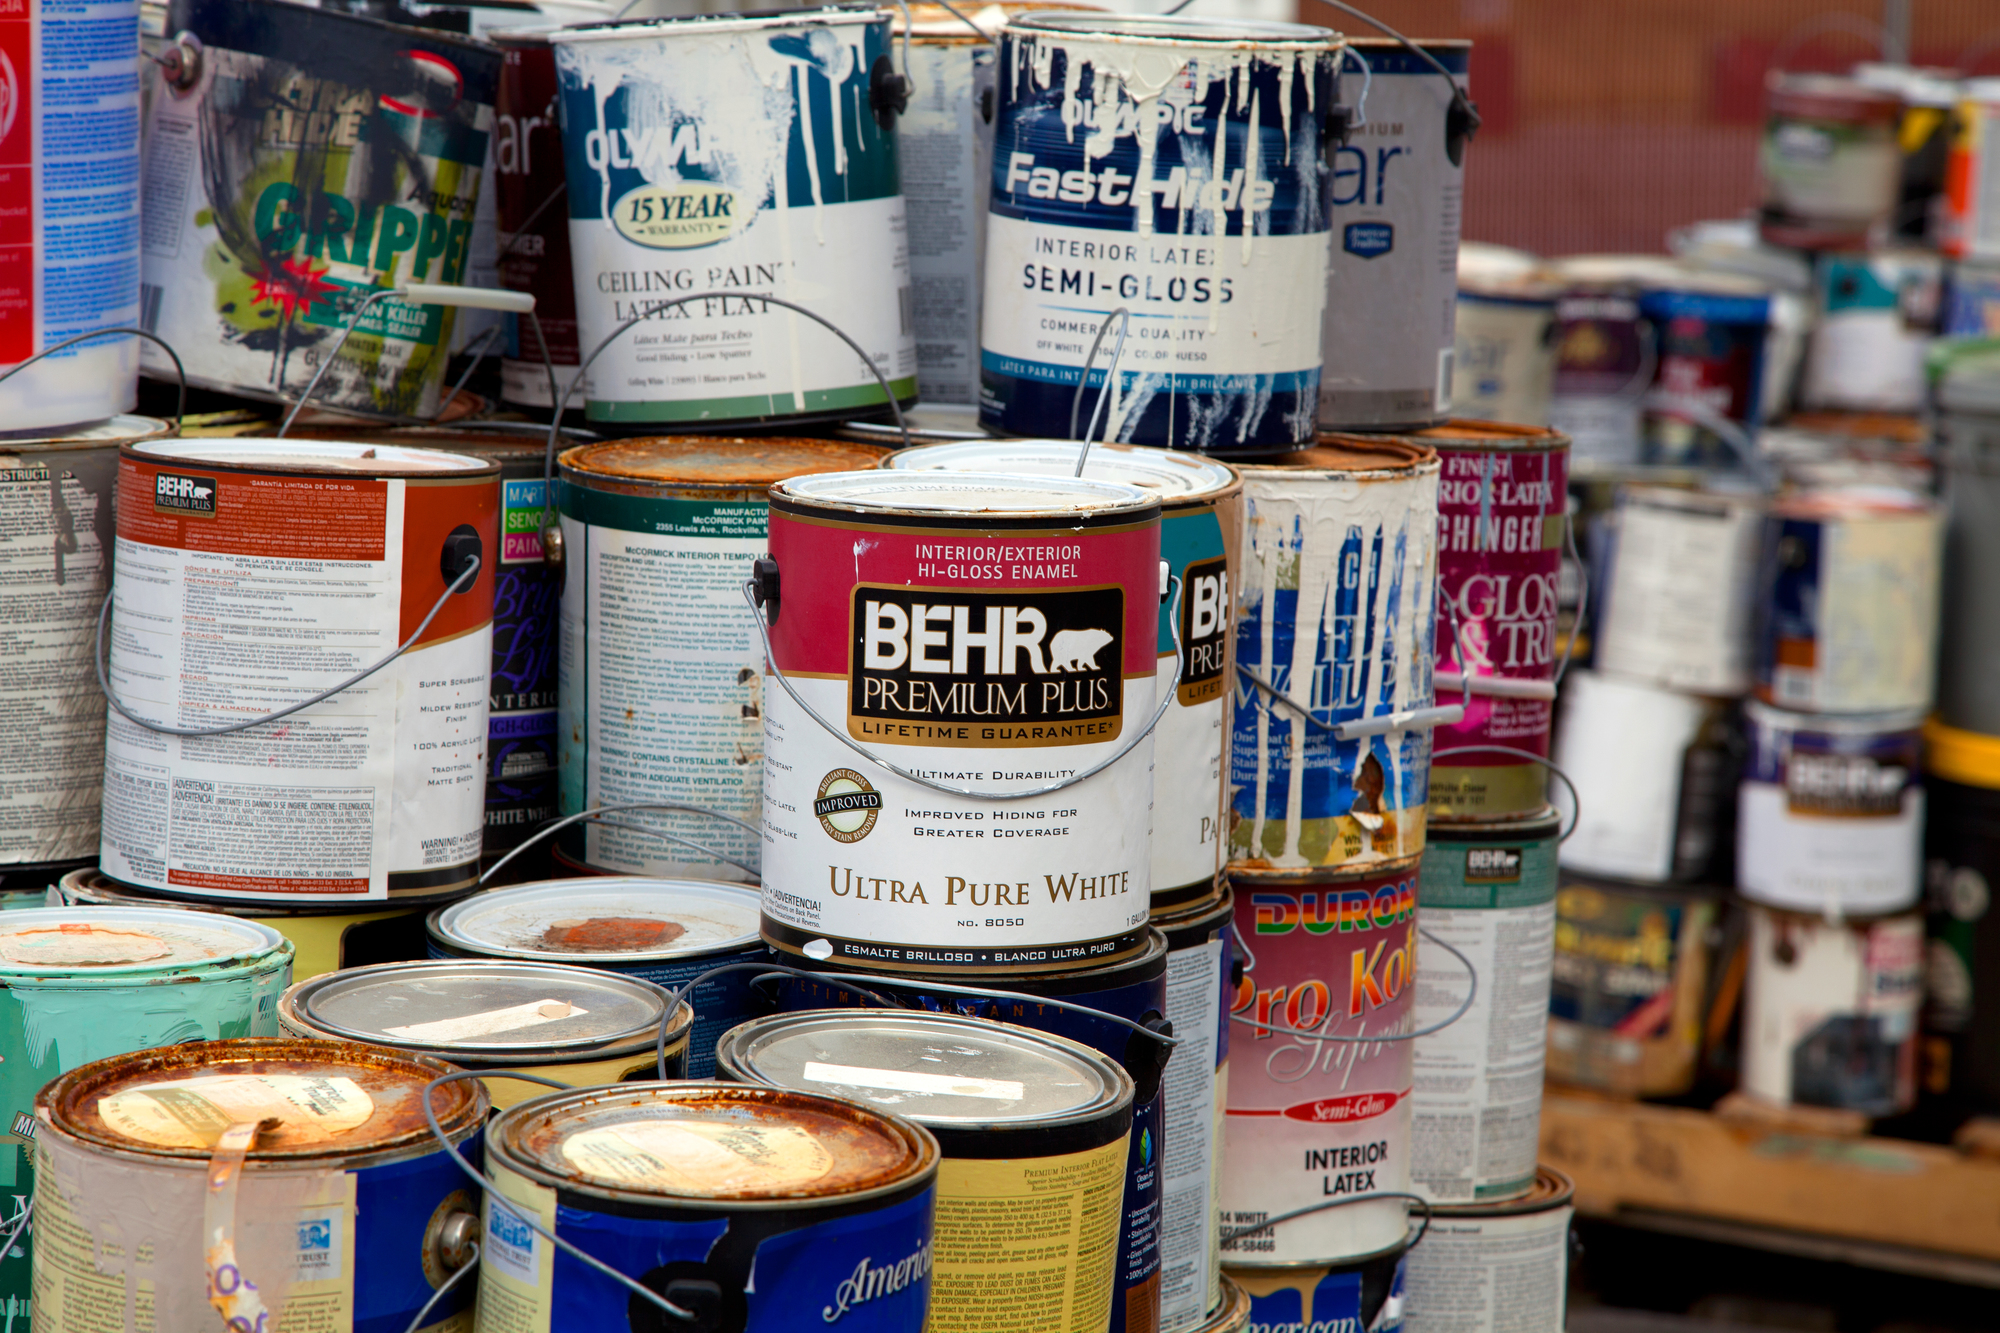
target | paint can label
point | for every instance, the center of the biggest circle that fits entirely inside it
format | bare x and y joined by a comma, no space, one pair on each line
1830,173
1601,355
1317,1120
1486,1274
992,660
1971,302
945,149
1194,203
1677,602
1625,989
1319,1300
1193,1091
521,702
1712,356
533,226
1970,227
1830,1011
1503,358
1188,810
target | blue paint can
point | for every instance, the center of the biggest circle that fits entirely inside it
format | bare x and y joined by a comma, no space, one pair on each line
1360,1296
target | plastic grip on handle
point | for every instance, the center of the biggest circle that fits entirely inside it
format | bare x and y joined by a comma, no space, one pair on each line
476,298
1497,687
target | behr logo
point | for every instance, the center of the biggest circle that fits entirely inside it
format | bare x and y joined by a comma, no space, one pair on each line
177,494
1491,865
846,806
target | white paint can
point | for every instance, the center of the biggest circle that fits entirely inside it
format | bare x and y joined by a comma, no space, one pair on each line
1876,313
1504,345
1494,1267
1677,599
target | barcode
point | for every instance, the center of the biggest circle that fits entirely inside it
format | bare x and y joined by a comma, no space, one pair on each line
149,307
905,310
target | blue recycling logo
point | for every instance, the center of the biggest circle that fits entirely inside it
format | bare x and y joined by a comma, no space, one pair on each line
1146,1147
1368,239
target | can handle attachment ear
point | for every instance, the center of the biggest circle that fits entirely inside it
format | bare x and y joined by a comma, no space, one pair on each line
181,62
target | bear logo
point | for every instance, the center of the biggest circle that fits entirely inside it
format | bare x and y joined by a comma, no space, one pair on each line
1076,649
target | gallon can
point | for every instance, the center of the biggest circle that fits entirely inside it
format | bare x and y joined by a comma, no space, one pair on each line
1485,1267
1503,337
827,1203
1031,1127
1848,600
1831,812
70,195
1200,967
667,932
268,232
1830,1011
1489,891
1364,1295
1314,1124
1173,167
1876,315
745,146
1714,331
1961,1056
1832,170
348,1214
998,634
1397,198
1678,587
1335,610
1606,359
1201,526
226,549
532,224
1502,500
1970,226
660,695
1966,386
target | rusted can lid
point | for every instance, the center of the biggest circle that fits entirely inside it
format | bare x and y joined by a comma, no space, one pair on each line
1360,455
700,460
1486,436
602,919
121,941
288,455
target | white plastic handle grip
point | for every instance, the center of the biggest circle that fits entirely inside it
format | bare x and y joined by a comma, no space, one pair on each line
1497,687
477,298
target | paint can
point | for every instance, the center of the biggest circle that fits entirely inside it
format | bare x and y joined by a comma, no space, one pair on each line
1830,1011
1366,1294
1969,227
226,548
1606,358
1966,390
1047,591
1200,981
1923,141
347,1215
1832,170
667,932
326,937
71,200
660,694
1503,337
1334,611
1961,1059
1715,332
1489,891
1030,1125
1847,596
1831,812
531,225
1312,1122
1876,314
1224,354
1629,986
1732,248
1678,585
690,1189
264,239
1971,307
1503,497
1397,197
578,1025
1491,1266
1201,525
742,146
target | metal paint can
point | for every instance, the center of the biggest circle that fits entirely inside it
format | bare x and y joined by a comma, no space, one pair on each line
55,557
1966,387
1489,891
828,1203
1923,140
251,574
265,237
1961,1058
1335,611
1365,1295
1679,584
1830,1011
1832,170
1629,987
1200,981
743,148
1502,501
1397,198
1224,353
1503,336
531,228
348,1214
1831,812
1876,315
660,694
325,937
1606,359
1970,225
1313,1122
578,1025
71,200
1847,596
667,932
1030,1126
1491,1266
1715,335
995,632
1201,525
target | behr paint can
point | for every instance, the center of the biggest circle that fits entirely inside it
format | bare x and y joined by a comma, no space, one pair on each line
1335,610
252,574
1961,1057
1313,1123
1201,526
1847,595
348,1215
531,222
1485,1267
997,633
1965,378
1174,167
1489,891
1502,501
664,931
1200,981
1830,1011
1877,313
1832,170
1364,1295
736,154
660,694
826,1203
1830,817
1031,1126
1503,336
1678,587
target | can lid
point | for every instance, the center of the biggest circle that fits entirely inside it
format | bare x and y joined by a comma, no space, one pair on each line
1832,724
1957,755
56,941
1358,454
678,25
480,1007
1173,28
1529,826
697,460
1459,433
1170,475
289,455
121,429
612,919
1550,1189
965,494
1819,96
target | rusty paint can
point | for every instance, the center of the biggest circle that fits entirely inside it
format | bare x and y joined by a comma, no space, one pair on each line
1490,1266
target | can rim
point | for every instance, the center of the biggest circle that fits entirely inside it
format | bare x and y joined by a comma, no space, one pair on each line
448,924
1179,479
119,428
89,880
1837,724
1328,459
1263,876
241,453
1550,1190
1958,755
575,463
683,24
1176,29
1328,1265
1527,826
849,492
1463,433
255,941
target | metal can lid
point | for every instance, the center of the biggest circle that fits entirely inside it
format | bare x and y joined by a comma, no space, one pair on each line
964,494
481,1008
290,455
703,460
607,919
56,941
1177,28
1528,826
676,25
1170,475
1459,433
121,429
937,1069
1770,717
1362,455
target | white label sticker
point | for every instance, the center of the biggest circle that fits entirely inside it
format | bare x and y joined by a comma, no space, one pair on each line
193,1112
707,1157
511,1019
900,1080
510,1245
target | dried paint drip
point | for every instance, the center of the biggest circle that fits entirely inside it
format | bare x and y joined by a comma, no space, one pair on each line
610,934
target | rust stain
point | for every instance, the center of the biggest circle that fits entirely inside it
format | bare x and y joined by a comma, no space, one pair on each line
1489,433
610,934
707,461
1352,453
